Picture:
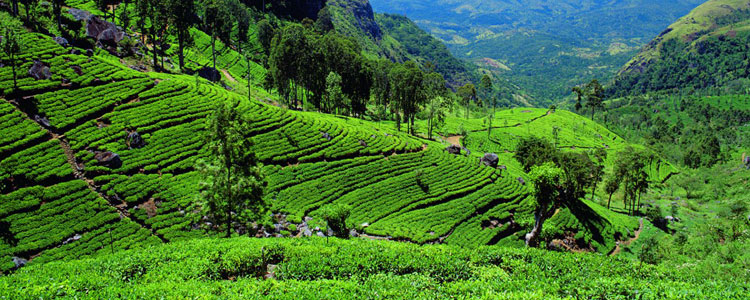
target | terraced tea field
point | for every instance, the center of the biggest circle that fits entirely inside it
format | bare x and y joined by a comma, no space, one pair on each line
62,200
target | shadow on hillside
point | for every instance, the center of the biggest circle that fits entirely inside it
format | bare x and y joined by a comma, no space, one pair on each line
592,221
6,235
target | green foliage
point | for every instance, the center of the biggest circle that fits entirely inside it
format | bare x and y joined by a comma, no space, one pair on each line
344,269
233,185
335,216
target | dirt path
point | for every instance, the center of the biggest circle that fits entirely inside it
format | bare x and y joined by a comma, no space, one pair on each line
228,76
621,244
454,140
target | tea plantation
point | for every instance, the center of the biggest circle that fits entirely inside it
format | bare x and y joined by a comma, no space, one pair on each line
56,130
345,269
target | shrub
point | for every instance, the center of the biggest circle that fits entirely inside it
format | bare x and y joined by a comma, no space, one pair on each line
335,216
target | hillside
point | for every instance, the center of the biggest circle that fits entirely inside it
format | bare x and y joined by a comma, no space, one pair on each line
705,49
397,39
545,47
76,182
339,269
75,185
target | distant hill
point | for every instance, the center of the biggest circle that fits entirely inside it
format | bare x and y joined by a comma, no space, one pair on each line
543,46
396,38
708,48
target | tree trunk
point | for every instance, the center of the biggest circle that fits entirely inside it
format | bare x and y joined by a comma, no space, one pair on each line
532,238
213,49
15,76
609,201
228,152
181,49
15,8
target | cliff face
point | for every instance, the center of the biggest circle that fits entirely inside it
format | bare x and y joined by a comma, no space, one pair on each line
359,14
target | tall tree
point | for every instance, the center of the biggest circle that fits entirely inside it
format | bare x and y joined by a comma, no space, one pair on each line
486,90
14,8
57,11
217,23
12,49
30,7
560,179
468,93
579,92
265,35
232,185
334,98
182,18
611,186
594,96
630,169
406,80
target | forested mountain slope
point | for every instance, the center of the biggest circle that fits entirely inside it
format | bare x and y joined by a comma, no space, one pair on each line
545,47
705,49
397,39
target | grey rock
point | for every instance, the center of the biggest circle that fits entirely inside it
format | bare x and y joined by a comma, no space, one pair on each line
353,233
134,140
79,14
19,262
72,239
39,71
320,234
453,149
61,41
103,31
490,160
108,159
307,232
42,121
362,143
325,135
521,181
307,219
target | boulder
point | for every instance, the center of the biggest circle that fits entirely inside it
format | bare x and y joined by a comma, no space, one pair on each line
307,232
79,14
108,159
62,41
490,160
320,234
134,140
325,135
210,74
72,239
42,121
468,152
89,52
39,71
453,149
75,52
103,31
77,70
19,262
521,181
353,233
362,143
